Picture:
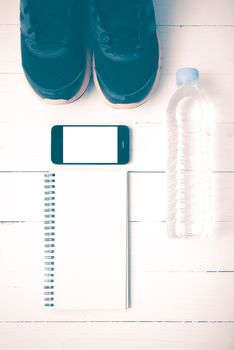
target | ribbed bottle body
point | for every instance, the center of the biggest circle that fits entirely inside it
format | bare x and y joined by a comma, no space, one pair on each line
188,127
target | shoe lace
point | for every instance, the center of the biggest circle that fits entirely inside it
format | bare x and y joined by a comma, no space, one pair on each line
48,21
121,25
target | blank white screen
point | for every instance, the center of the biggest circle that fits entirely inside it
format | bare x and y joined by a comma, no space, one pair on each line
90,144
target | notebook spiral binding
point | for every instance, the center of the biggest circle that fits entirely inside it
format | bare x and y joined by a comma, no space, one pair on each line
49,238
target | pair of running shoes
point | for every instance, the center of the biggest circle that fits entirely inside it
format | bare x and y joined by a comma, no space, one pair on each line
63,41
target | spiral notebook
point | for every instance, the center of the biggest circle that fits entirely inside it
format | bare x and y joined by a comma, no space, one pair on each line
85,240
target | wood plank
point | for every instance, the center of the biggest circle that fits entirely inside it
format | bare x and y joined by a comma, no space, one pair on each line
9,13
155,296
24,147
147,194
178,295
115,336
21,249
22,197
148,197
153,250
195,47
148,141
91,109
184,12
10,61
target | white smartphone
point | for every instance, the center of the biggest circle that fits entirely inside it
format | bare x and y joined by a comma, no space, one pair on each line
90,144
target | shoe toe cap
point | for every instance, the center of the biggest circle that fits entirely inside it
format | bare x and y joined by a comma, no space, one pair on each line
50,75
126,79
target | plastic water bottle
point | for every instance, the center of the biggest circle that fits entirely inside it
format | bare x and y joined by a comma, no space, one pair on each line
188,158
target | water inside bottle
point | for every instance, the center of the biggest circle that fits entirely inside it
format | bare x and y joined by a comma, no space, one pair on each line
192,138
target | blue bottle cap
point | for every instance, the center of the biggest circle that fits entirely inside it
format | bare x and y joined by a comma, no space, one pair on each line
187,76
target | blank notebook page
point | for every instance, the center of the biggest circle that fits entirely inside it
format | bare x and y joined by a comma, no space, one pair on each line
91,240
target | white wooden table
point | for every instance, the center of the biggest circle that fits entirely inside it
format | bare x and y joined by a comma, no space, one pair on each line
182,292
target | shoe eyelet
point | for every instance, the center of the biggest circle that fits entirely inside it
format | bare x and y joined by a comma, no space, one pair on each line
106,39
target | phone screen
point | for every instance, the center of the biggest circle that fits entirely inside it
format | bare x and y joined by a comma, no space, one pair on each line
90,144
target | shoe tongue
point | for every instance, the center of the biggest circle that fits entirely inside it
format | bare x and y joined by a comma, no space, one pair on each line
120,21
49,21
114,3
118,7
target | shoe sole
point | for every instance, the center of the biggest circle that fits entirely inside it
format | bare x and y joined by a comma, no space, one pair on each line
128,105
81,91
